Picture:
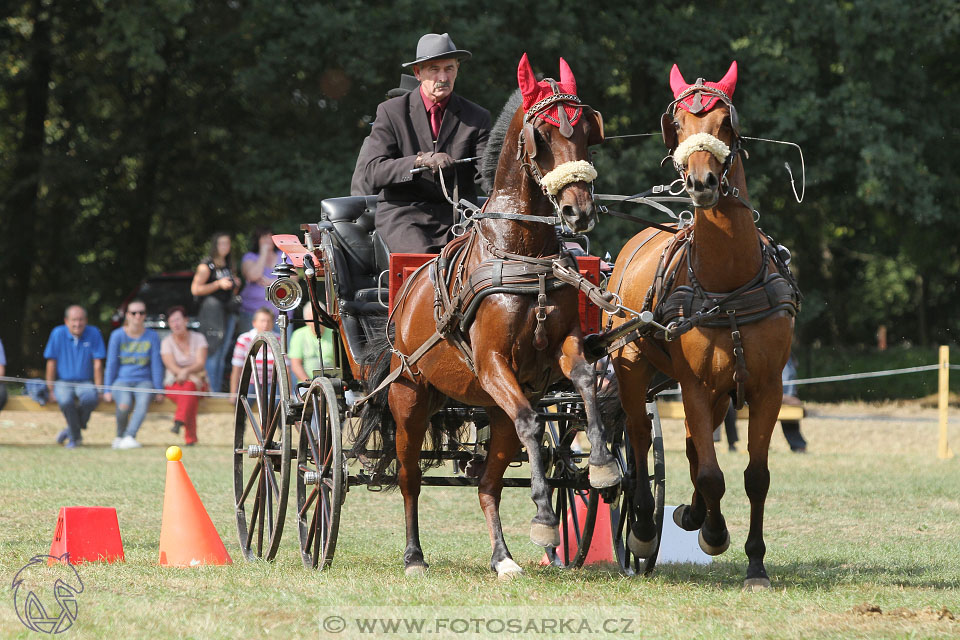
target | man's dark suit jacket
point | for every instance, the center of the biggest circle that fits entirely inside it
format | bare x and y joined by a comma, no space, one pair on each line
412,214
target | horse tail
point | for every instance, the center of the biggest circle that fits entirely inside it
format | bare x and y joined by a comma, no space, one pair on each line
376,419
377,426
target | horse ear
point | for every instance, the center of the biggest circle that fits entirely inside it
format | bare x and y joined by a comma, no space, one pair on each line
566,77
596,128
729,82
525,78
677,83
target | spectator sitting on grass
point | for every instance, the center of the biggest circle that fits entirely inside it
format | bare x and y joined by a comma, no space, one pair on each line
133,361
184,354
305,348
74,354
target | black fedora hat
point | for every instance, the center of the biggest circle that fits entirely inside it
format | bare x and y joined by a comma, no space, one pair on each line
436,46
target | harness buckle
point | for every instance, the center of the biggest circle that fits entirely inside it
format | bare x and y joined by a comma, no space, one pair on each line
668,331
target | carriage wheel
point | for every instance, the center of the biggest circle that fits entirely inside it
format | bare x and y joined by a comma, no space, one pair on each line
262,449
321,475
576,505
622,512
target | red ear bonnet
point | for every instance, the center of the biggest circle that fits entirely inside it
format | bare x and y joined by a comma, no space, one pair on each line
533,91
678,85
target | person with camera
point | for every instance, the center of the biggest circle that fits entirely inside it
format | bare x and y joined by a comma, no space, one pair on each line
215,285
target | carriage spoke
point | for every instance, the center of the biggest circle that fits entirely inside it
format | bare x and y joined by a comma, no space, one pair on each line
264,496
254,516
253,477
308,502
271,478
274,421
257,382
253,422
572,497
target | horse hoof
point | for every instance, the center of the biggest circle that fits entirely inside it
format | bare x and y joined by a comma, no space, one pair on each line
640,548
756,584
603,476
416,570
544,536
508,569
711,550
678,515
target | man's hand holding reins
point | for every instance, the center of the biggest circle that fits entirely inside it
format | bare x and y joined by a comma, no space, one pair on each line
434,160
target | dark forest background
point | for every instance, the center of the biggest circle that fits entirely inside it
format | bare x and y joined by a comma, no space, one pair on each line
132,130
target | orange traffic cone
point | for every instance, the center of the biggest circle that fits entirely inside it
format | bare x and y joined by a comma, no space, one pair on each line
187,535
601,545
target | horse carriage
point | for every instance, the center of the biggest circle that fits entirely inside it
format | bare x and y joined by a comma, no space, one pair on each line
492,346
285,429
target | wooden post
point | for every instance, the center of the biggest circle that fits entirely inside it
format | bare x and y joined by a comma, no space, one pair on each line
943,450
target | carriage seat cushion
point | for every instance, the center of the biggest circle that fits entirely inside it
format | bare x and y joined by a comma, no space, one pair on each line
353,225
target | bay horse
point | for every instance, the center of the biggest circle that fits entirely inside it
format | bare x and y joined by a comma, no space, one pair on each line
518,342
728,301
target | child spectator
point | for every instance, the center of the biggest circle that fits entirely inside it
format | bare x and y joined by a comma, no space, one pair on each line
133,360
184,354
262,323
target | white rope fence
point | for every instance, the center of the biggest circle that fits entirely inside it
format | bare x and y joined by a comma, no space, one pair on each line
114,388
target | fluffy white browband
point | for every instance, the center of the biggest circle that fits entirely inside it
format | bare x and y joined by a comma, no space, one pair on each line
573,171
700,142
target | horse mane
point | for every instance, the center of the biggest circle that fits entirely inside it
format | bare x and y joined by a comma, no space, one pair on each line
491,155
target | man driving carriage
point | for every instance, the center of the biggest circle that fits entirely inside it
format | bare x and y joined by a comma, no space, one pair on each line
430,129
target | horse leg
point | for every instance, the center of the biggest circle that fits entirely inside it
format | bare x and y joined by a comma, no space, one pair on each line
499,380
604,471
504,446
705,471
756,480
634,379
409,404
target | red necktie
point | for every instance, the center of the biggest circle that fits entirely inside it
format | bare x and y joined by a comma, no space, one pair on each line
435,119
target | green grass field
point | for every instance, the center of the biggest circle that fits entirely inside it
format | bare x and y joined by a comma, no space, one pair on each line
862,533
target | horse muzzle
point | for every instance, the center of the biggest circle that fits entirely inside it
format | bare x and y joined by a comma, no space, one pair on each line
703,188
580,219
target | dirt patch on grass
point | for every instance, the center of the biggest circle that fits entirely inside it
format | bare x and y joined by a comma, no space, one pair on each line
924,614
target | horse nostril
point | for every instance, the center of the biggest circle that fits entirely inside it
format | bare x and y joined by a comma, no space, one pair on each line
712,182
569,211
689,183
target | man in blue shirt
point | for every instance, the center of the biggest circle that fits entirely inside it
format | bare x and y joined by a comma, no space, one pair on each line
75,353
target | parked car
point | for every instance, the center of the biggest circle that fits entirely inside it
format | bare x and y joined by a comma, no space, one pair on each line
161,292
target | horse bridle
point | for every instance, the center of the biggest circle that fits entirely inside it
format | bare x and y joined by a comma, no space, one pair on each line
527,141
668,119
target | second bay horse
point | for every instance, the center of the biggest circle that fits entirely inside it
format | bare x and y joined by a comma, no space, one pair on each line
728,301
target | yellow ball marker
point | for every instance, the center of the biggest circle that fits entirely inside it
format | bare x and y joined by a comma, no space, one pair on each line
174,453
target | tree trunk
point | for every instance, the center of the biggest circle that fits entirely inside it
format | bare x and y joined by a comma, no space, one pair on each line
19,207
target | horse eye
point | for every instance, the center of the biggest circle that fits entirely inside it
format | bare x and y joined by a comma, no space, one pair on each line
676,125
